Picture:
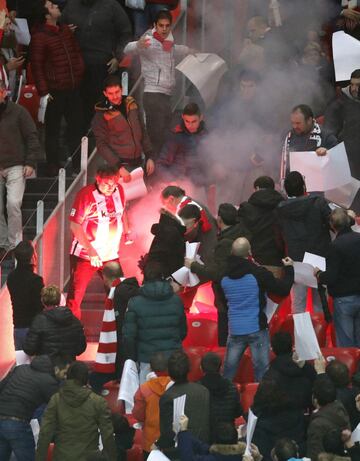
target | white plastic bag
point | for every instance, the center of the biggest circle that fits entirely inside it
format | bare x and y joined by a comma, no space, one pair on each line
135,4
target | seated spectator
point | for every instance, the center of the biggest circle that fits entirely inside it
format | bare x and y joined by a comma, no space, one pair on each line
338,372
295,378
277,418
197,404
56,329
22,391
146,400
286,449
224,397
330,415
124,435
73,419
225,447
154,321
24,286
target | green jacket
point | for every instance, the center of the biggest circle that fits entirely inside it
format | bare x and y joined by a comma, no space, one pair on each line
72,420
154,322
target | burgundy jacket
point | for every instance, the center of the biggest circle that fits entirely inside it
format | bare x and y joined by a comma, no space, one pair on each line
56,60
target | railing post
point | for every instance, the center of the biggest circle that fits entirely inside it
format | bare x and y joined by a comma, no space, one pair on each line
184,41
84,158
39,231
61,199
125,83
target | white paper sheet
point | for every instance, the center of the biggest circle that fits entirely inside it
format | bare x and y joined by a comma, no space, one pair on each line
344,195
21,29
157,455
191,249
35,427
355,436
270,308
304,275
315,260
205,71
181,276
322,173
250,428
136,187
44,100
129,384
346,55
184,276
306,343
22,358
178,410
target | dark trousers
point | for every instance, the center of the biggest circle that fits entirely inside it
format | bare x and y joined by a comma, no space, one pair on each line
65,104
81,272
16,437
157,107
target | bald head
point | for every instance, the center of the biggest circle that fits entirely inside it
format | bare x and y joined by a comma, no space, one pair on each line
241,247
111,271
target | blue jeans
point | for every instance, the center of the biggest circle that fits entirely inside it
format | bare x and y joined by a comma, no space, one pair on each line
259,344
17,437
19,338
144,19
347,321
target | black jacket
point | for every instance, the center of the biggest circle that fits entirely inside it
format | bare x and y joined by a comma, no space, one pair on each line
168,245
24,288
55,330
342,275
27,387
304,222
296,382
224,400
260,218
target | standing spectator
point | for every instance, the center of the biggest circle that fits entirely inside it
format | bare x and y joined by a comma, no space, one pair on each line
154,321
197,404
225,404
342,277
146,400
102,29
19,150
96,221
121,137
157,55
304,222
245,285
259,216
73,419
24,287
22,391
144,18
55,329
58,67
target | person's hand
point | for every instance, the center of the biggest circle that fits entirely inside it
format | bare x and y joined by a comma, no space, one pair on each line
287,261
320,364
184,422
28,171
2,19
255,453
150,167
124,173
351,214
321,151
188,262
351,14
113,65
357,402
143,42
95,259
299,363
316,271
14,63
346,438
72,27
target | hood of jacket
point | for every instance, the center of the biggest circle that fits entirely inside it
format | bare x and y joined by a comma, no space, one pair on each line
43,364
268,199
61,315
295,208
228,450
231,232
285,365
347,93
167,219
73,394
159,384
238,267
127,289
217,384
158,290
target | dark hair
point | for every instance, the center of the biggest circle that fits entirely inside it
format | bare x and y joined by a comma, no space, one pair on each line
24,251
324,390
158,362
339,219
163,14
189,212
228,213
225,433
79,372
153,271
112,270
192,109
111,80
281,343
294,184
211,363
264,182
305,110
285,449
174,191
270,398
355,73
338,372
178,366
107,171
60,360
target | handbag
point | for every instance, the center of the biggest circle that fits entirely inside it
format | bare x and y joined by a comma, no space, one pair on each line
135,4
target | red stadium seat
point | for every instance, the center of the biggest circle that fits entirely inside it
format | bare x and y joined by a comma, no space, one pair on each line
115,405
29,98
247,394
318,322
195,354
50,452
135,453
348,355
201,332
245,373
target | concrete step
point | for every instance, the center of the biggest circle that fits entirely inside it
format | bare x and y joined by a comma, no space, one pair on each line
29,216
44,184
50,200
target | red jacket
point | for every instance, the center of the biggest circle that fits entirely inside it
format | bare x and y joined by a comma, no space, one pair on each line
56,60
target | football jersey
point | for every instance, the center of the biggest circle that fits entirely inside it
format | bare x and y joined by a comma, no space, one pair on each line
101,218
